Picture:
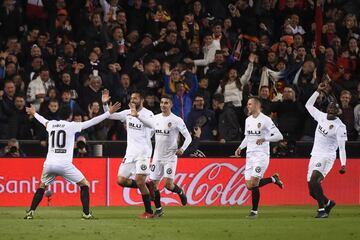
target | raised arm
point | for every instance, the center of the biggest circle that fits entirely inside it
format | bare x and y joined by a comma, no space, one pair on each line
31,111
98,119
245,78
314,112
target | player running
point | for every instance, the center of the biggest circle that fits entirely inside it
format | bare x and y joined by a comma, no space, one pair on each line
60,155
329,136
167,129
259,132
139,124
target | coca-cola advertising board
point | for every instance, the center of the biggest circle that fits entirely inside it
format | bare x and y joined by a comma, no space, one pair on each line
206,181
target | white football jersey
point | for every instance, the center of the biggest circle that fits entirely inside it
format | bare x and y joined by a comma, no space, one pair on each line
61,141
327,135
256,128
167,130
62,137
138,134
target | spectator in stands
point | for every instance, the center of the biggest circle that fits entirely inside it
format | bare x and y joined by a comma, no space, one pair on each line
347,116
228,127
12,149
151,103
264,94
203,118
19,122
38,88
289,115
182,98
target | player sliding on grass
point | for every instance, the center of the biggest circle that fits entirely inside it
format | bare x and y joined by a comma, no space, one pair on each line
139,124
329,136
60,155
259,132
167,129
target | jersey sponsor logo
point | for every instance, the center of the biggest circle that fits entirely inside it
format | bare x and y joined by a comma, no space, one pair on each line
323,131
143,167
256,133
258,169
169,171
259,125
331,126
162,132
136,126
318,164
60,150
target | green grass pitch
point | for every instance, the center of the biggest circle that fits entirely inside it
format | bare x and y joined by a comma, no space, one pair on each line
221,223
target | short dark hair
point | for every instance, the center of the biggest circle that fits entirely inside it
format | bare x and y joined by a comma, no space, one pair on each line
219,98
166,97
256,99
265,86
65,112
141,94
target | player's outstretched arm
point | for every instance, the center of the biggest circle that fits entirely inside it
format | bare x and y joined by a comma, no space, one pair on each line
32,111
102,117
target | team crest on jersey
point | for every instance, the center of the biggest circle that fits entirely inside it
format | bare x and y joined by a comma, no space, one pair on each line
331,126
143,167
169,171
258,169
318,165
259,125
169,125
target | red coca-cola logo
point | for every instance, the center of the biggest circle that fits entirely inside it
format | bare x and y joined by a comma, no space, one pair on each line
214,184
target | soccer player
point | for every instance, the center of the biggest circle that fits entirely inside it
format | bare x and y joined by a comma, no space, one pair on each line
60,155
329,136
167,129
140,125
259,132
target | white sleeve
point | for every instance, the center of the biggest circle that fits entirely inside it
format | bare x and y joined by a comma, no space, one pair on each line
185,132
30,94
147,119
274,133
209,58
341,136
243,143
116,116
41,119
314,112
95,120
245,78
245,140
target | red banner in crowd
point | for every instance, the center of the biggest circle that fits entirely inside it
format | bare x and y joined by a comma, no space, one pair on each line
218,181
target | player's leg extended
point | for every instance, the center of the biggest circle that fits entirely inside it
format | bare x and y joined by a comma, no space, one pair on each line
126,182
171,186
141,183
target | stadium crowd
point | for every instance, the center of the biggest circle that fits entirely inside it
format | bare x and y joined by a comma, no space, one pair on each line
209,55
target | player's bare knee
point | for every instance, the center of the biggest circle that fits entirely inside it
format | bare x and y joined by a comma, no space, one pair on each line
83,183
169,185
43,186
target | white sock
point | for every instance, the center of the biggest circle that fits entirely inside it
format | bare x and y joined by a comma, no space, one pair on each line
273,179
